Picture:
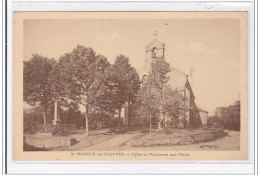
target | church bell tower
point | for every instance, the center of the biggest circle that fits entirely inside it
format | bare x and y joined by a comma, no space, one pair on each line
154,50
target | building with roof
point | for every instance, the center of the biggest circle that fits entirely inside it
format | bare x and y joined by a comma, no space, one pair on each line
178,80
203,116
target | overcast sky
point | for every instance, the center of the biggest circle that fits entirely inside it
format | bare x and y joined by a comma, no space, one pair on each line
210,46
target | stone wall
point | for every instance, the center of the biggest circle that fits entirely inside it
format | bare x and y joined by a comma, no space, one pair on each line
46,142
171,139
204,137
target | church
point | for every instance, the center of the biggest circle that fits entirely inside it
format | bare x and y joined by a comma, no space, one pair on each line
178,80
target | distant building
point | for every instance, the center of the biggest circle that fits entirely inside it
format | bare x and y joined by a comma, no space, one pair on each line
219,112
203,116
178,81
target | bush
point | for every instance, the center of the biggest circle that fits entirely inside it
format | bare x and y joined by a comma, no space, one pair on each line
30,122
145,130
48,128
60,131
139,122
121,130
73,117
167,130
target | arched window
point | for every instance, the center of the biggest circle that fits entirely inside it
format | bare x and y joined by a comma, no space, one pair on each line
154,52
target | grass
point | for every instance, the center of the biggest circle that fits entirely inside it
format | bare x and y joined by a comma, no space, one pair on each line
177,137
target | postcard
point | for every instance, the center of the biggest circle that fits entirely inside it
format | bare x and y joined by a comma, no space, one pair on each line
130,86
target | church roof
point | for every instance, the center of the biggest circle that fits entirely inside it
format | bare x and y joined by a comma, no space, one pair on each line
201,110
155,43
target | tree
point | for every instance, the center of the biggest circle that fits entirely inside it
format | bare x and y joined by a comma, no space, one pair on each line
38,89
231,116
173,104
126,84
151,95
83,74
133,85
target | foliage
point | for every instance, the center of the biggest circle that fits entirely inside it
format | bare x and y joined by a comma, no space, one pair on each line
150,95
30,122
173,105
214,122
167,130
59,129
123,81
38,80
72,116
231,116
229,119
195,120
83,74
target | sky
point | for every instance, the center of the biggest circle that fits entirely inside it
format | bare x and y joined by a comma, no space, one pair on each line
210,46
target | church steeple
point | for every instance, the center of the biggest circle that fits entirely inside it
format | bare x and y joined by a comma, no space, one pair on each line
156,47
153,50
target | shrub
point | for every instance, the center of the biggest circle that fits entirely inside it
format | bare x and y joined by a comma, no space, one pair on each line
30,122
145,130
167,130
60,131
139,122
121,130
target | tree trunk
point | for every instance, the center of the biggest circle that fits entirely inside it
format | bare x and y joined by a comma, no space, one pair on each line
87,129
103,122
129,113
151,126
45,116
119,117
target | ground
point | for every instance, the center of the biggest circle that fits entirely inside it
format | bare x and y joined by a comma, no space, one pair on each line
103,140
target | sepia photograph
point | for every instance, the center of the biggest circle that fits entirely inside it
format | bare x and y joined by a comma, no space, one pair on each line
127,82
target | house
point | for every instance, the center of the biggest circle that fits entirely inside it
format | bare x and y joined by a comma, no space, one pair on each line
203,116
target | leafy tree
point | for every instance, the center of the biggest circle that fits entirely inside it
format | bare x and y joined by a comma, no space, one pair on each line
38,89
83,74
126,84
133,86
151,93
231,116
214,121
173,104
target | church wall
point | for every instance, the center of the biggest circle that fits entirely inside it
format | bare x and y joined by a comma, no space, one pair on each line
160,53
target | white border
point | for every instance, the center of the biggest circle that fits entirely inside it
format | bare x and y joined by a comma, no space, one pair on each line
130,168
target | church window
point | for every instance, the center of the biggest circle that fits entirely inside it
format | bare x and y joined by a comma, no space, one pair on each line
154,52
